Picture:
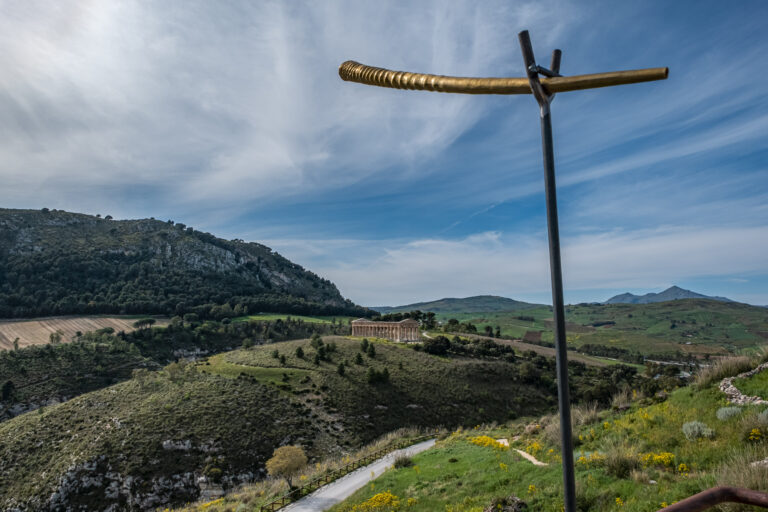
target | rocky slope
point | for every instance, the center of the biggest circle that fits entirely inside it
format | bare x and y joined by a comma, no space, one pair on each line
56,262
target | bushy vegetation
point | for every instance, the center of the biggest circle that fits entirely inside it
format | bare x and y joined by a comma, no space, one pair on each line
34,375
694,430
68,263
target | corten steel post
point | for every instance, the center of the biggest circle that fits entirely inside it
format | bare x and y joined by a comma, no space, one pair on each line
543,90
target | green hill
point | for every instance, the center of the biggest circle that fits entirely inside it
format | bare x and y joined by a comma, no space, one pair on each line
479,303
143,443
55,262
683,328
643,459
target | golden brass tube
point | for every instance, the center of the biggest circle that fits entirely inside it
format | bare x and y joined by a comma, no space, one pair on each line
352,71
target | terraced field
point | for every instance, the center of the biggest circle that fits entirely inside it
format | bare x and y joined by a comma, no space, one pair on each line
37,331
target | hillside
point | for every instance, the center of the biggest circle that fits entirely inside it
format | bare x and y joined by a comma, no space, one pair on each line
55,263
643,459
143,443
35,376
37,331
674,329
671,293
479,303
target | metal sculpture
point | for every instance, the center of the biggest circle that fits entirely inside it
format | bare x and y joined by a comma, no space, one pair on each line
544,90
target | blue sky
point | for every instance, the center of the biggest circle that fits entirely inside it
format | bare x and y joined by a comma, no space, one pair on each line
231,118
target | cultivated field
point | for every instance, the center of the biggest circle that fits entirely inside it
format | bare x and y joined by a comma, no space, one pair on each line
37,331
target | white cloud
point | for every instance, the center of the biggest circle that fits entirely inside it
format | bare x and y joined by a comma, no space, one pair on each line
207,103
393,272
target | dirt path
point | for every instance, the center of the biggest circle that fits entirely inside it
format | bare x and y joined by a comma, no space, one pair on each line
526,456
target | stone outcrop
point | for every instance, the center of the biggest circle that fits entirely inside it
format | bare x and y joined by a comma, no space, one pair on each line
737,397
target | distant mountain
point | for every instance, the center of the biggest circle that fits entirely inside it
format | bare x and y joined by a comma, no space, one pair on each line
54,262
476,304
672,293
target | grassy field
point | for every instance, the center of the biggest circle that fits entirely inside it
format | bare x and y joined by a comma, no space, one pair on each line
756,385
691,326
37,331
639,460
262,317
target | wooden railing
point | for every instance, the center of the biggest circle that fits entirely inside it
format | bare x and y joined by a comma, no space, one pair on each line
335,474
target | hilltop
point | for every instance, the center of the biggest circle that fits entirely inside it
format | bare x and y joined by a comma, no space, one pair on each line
143,443
54,262
476,304
671,293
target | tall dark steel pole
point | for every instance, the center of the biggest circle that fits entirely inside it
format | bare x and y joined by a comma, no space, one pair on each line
563,393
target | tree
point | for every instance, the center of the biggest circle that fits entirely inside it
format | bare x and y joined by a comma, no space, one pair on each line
144,323
358,359
247,343
286,461
300,353
275,354
316,341
364,345
282,360
340,369
371,351
7,391
498,332
16,344
55,337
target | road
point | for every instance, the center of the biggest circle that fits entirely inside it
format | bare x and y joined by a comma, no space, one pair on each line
339,490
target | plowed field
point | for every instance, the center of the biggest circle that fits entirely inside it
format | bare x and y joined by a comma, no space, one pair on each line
37,331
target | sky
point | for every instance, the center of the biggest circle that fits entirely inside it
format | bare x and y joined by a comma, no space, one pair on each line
230,117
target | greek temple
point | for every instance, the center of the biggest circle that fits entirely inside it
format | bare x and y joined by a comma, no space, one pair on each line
404,330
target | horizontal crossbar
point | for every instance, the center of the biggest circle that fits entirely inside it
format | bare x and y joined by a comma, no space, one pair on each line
352,71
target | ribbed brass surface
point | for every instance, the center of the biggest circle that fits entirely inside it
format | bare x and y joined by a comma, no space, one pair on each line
352,71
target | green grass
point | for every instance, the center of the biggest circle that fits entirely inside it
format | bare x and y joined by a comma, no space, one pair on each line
219,365
480,474
261,317
756,385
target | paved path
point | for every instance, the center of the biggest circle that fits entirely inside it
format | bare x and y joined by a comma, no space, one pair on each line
339,490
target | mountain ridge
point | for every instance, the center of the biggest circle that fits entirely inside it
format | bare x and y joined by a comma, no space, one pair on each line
672,293
473,304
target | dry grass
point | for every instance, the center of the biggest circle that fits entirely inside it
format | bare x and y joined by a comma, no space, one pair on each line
38,331
738,471
585,414
722,368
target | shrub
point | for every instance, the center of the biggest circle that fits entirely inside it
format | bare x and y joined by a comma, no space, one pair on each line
620,460
725,413
403,461
585,414
695,429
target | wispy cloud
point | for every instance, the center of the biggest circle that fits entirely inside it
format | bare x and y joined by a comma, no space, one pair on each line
399,272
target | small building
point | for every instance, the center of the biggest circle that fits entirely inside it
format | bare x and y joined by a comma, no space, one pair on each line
404,330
